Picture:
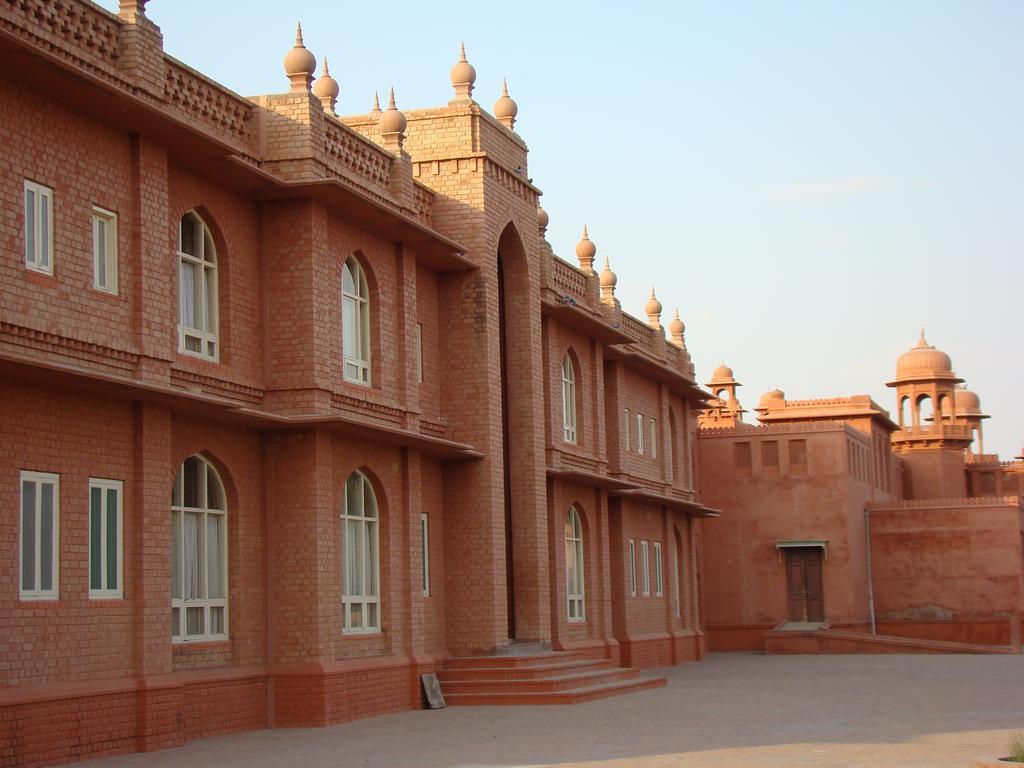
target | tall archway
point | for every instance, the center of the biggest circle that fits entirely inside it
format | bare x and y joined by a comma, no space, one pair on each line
526,573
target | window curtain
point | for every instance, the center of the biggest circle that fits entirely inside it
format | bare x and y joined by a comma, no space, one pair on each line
188,294
192,586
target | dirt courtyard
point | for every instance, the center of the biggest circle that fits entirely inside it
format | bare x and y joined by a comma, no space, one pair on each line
730,710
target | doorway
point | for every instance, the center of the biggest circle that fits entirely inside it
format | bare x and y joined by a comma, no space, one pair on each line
805,584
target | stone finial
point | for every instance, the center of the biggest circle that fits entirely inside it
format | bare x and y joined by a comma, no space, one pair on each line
392,125
376,104
299,65
542,221
505,109
677,330
326,89
586,251
463,75
608,282
653,309
129,10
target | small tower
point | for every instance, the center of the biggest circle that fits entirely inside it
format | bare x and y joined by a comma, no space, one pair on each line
463,75
375,110
326,89
931,440
505,109
608,282
725,409
585,252
967,406
299,65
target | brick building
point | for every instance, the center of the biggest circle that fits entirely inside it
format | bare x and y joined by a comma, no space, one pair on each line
837,519
297,407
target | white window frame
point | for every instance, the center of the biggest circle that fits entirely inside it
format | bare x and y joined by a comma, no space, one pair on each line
207,311
629,426
419,353
105,592
653,425
38,252
104,259
356,362
658,590
640,433
180,605
632,567
425,553
367,528
576,609
568,400
39,479
645,568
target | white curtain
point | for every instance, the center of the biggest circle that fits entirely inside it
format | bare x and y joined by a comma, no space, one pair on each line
214,553
188,294
192,557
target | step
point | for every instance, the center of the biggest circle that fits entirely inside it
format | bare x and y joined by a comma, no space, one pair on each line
846,641
545,684
523,673
572,696
498,662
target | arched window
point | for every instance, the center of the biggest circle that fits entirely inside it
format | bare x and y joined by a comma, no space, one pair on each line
903,411
197,289
355,322
574,565
946,407
568,400
199,553
360,522
925,410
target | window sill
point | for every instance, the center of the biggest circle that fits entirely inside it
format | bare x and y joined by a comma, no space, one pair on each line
371,635
215,642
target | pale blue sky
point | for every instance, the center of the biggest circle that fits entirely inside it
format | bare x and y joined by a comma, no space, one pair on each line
808,181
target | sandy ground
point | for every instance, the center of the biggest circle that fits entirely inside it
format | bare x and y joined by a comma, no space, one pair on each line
730,710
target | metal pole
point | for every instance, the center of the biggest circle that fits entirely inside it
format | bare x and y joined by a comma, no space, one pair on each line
871,590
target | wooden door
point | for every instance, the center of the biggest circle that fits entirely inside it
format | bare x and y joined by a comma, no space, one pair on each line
804,583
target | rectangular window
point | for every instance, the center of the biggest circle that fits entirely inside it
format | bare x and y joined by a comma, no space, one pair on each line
742,458
425,553
798,457
40,535
632,567
657,569
418,342
645,565
104,250
654,438
38,227
628,426
105,537
640,433
770,457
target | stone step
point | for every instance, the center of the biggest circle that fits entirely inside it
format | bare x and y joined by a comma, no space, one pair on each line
523,673
574,680
504,662
845,641
571,696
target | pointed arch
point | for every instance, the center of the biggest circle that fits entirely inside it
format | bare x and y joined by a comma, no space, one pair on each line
575,556
356,319
198,287
570,404
360,555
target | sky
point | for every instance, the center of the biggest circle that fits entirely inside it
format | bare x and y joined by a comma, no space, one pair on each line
808,181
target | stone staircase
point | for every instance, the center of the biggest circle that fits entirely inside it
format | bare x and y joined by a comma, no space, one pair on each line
544,677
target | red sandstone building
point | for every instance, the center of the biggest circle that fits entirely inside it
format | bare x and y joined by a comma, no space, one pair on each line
297,407
836,518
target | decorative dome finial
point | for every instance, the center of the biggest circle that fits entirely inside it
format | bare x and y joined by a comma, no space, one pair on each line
542,220
677,329
653,309
392,124
608,281
299,64
505,109
463,75
326,89
376,104
586,251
